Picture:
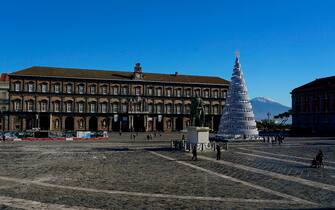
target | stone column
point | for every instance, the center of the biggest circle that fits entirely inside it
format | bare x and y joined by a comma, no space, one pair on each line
110,128
50,121
154,123
87,123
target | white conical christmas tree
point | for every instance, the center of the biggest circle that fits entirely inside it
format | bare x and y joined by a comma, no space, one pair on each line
237,120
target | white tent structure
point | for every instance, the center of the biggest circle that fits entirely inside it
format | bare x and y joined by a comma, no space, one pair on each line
238,120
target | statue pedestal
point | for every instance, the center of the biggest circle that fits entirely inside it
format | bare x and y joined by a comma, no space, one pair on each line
198,136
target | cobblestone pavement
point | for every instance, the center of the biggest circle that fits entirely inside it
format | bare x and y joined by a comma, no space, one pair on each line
141,174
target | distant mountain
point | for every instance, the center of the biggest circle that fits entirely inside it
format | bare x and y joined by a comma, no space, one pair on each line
261,106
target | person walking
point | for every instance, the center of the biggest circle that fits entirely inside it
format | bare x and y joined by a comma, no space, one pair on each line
194,152
218,152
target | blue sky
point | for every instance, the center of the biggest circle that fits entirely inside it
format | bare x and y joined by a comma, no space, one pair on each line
283,43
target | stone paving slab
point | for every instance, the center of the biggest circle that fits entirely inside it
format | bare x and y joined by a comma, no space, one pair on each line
323,197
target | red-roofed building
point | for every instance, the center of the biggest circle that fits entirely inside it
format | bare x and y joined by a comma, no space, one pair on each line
4,102
313,106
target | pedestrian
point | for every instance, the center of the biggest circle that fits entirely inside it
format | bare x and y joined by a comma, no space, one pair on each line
120,133
218,152
3,137
194,152
134,136
183,137
148,137
319,158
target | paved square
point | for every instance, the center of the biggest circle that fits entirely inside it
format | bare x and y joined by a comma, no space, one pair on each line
123,174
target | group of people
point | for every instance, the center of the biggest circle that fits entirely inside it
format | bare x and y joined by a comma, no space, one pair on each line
217,148
317,162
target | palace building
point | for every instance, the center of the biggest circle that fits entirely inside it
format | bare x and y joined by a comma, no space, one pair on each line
58,99
313,107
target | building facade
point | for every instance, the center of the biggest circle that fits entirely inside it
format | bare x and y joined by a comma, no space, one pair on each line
4,102
59,99
313,107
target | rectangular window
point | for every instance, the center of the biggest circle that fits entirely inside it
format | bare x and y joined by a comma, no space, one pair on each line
17,105
115,107
150,108
44,88
178,109
30,87
150,91
81,89
158,108
69,88
124,107
215,94
124,91
57,88
81,107
159,92
93,108
188,93
115,90
187,109
56,107
30,106
168,92
206,93
93,89
168,108
137,91
69,107
44,106
178,93
103,108
104,90
17,86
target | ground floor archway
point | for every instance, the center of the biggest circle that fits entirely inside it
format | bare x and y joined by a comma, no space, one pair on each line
44,122
93,124
179,124
139,123
216,122
69,124
159,123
